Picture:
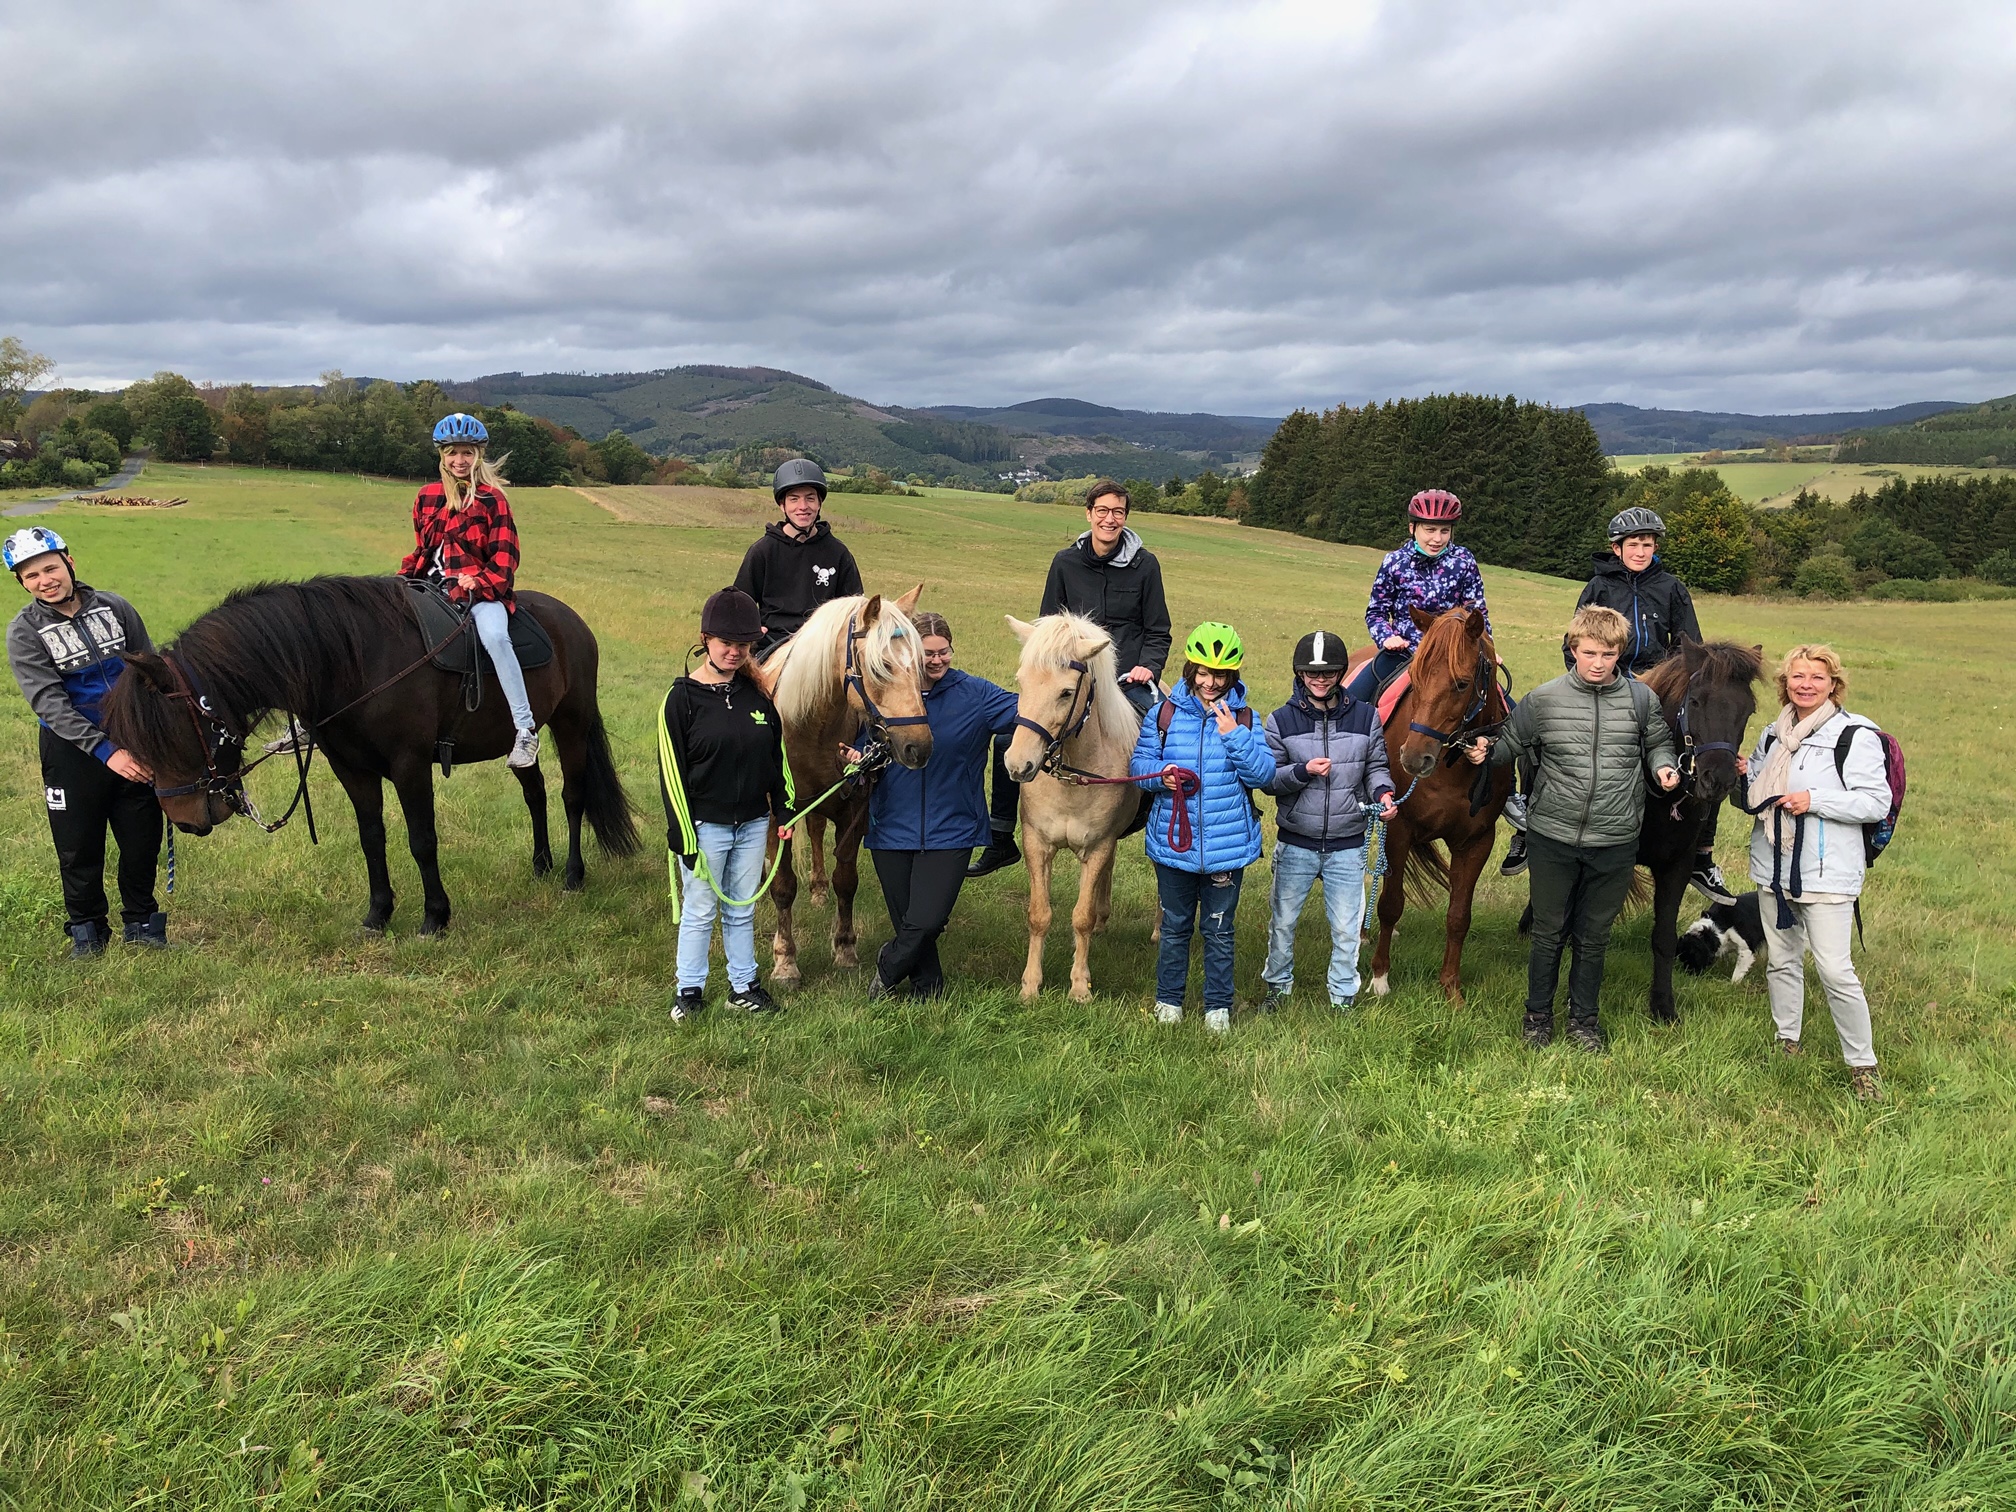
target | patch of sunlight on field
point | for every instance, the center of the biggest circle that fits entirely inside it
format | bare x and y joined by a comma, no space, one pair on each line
292,1214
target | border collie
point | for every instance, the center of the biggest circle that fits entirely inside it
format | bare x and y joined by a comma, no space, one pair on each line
1724,929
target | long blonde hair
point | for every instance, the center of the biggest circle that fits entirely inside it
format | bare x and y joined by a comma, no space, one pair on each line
485,474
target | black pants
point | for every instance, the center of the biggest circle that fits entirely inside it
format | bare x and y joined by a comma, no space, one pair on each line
1576,892
920,888
84,796
1004,801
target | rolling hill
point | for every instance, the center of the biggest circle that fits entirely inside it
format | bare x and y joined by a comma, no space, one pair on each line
1625,429
1978,435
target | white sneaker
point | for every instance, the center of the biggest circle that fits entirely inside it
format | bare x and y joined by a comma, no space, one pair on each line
1219,1021
1168,1013
524,750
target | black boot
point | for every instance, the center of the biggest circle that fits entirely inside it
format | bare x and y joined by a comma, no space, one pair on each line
87,940
151,932
1001,851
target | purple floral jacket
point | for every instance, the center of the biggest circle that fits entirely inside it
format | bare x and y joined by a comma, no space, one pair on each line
1408,580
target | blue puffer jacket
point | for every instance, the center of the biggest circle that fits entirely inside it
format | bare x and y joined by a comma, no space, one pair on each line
943,804
1225,830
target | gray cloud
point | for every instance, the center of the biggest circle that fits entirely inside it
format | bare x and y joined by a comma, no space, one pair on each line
1238,207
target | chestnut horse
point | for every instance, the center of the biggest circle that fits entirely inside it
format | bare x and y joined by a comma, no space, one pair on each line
1452,694
857,662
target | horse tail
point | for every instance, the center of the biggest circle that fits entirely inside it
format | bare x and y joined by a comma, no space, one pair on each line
1640,892
1426,867
607,805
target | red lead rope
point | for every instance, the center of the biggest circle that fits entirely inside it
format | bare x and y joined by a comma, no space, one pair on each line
1188,786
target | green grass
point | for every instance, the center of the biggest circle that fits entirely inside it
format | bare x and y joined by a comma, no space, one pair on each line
290,1215
1776,483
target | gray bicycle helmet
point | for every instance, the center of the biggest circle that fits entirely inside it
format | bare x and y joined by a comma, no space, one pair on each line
796,473
1637,520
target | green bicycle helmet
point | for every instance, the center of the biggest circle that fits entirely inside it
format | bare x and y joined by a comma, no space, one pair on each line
1216,646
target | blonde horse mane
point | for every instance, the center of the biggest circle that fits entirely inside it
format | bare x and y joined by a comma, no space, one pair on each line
1053,645
807,686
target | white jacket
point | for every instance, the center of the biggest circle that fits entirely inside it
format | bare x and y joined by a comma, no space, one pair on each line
1830,860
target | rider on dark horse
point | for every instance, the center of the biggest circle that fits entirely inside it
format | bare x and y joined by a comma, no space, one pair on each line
797,564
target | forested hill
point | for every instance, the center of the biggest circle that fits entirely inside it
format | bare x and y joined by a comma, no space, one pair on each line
1979,435
1625,429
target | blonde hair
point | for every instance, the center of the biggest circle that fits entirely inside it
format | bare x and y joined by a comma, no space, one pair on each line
485,474
1825,656
1604,626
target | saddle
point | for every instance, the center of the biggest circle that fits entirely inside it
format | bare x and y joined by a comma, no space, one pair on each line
1389,696
439,618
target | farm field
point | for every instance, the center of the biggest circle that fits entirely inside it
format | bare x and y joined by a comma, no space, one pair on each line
296,1215
1775,483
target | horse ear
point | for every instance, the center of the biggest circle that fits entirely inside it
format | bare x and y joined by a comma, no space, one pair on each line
1421,617
871,611
908,603
1092,645
153,671
1473,627
1022,631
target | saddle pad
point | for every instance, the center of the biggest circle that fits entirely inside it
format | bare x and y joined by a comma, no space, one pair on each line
438,617
1389,697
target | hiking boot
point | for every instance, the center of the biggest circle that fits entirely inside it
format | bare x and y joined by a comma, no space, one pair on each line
1275,997
1515,812
1168,1013
1789,1046
1867,1084
1218,1020
1707,880
151,931
1515,856
753,999
688,1004
1589,1037
1538,1032
1001,851
524,750
88,940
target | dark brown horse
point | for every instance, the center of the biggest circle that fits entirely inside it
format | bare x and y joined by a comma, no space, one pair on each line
1453,693
1706,694
346,657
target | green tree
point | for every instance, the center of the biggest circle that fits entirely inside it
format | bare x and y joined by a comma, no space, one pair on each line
1709,544
622,460
1826,575
1173,488
20,371
112,417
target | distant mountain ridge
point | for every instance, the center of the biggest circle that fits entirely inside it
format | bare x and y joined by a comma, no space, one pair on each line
1976,435
1625,429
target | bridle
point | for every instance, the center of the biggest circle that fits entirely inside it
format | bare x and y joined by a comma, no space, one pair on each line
219,742
1467,728
1692,750
1053,762
876,754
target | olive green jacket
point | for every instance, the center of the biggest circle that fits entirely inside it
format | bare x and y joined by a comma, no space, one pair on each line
1595,748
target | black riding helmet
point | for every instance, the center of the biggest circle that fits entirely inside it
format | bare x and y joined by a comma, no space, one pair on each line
1320,651
796,473
731,615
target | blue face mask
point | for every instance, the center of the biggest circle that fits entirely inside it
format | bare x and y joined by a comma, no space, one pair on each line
1422,551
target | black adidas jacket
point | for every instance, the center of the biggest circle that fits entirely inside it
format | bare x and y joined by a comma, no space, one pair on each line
789,578
720,758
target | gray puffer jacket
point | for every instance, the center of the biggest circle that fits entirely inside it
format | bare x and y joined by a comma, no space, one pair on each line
1596,746
1323,813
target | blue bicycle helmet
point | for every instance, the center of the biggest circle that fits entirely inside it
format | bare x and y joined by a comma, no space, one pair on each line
30,542
460,429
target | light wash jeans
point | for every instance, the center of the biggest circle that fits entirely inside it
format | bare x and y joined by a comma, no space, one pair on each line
493,626
1342,874
735,854
1828,928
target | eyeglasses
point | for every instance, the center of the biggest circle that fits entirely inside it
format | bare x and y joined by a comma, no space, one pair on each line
945,655
1109,514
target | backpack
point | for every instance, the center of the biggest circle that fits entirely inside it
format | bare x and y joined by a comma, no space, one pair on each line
1876,836
1165,715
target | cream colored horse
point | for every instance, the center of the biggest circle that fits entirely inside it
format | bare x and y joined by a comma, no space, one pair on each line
1068,691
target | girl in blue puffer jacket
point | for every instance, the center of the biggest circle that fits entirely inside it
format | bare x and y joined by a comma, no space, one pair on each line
1205,726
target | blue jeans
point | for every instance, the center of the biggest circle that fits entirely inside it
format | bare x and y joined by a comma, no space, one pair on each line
1366,680
493,628
1185,896
1342,874
735,854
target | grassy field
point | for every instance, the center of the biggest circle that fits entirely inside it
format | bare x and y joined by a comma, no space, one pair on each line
1774,483
291,1216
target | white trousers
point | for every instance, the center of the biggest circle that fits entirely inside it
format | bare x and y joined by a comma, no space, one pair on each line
1827,929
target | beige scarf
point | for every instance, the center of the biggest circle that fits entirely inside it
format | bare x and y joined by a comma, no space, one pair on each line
1791,732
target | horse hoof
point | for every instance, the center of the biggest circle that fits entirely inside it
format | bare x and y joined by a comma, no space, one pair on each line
1030,994
1081,994
1665,1014
574,884
784,976
373,931
819,895
541,865
1381,986
845,958
433,929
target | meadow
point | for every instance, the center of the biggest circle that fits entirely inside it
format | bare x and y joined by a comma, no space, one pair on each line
1755,480
290,1216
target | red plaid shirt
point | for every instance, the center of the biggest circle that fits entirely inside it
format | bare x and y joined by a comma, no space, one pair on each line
479,539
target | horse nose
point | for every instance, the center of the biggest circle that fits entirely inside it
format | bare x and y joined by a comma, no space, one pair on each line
192,829
910,751
1418,765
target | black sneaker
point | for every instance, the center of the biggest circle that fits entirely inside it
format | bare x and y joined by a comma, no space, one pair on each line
1589,1037
151,932
1538,1032
688,1004
88,940
1515,856
1707,880
1001,852
753,999
1275,997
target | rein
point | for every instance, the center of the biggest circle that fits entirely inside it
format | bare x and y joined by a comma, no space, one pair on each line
1181,834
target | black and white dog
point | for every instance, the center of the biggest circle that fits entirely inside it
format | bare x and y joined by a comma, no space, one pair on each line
1725,929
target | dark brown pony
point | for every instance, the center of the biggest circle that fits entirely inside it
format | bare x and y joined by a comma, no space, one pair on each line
345,657
1452,694
1706,694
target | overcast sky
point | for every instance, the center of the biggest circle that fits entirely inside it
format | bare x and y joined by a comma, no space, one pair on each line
1243,208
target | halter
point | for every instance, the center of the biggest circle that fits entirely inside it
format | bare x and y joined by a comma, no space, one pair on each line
218,738
1691,750
1053,743
1467,727
878,723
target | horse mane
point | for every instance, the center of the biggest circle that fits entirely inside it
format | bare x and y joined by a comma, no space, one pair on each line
1444,648
301,646
1725,662
806,687
1054,642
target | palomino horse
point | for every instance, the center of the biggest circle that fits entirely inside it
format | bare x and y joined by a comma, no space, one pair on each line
1706,695
1071,719
1452,693
856,662
347,658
